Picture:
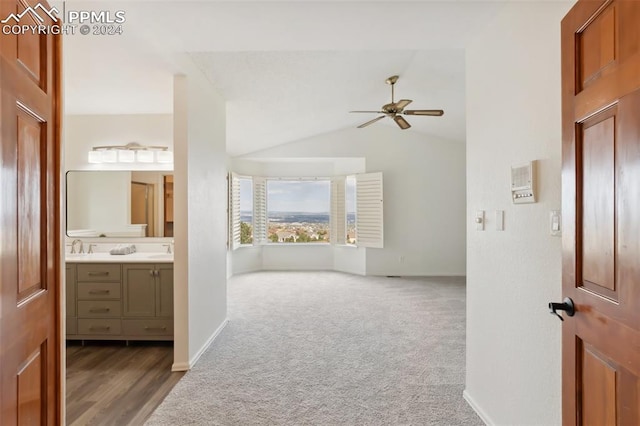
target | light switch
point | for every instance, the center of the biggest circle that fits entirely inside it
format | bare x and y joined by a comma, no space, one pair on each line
499,220
479,220
555,223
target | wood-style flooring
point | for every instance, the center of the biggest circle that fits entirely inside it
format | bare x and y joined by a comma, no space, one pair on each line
110,383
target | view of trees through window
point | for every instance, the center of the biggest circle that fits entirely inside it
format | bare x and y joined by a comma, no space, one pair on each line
350,207
298,211
246,211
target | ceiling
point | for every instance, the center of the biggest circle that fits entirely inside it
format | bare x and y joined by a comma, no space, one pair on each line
287,70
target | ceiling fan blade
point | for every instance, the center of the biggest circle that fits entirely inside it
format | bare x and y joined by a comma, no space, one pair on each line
371,122
371,112
401,122
403,103
430,112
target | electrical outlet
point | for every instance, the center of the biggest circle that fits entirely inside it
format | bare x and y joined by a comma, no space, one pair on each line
401,259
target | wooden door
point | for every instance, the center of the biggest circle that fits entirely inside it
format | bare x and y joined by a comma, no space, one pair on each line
30,361
601,212
168,206
142,206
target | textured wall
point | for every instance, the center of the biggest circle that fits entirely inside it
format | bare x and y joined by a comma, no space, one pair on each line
200,216
513,116
424,196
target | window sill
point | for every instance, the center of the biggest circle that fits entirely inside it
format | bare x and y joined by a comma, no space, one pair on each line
298,244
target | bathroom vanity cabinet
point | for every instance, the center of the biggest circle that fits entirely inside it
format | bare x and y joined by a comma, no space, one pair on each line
119,301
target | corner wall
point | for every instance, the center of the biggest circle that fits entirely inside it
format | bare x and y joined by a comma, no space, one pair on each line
424,196
513,116
200,187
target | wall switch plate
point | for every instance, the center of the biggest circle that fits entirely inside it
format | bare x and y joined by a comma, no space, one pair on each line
499,220
479,219
555,223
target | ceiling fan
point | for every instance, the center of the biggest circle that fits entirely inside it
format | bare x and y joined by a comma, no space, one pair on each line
395,110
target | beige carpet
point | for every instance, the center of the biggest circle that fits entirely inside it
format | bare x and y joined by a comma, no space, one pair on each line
326,348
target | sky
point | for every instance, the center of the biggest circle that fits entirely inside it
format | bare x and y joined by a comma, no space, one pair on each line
308,196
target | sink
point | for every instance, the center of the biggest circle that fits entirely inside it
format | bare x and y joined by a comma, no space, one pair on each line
164,256
74,255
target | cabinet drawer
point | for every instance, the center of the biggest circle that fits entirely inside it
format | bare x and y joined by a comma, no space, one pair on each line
106,327
99,308
98,272
97,291
72,326
150,327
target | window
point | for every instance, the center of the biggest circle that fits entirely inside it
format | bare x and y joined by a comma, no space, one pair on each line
298,211
246,210
369,211
350,207
241,210
340,210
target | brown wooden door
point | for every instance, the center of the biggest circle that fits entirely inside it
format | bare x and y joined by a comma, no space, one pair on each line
29,255
142,204
601,212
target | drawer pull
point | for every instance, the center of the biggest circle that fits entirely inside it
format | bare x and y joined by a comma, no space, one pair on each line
100,328
99,291
98,273
99,310
163,328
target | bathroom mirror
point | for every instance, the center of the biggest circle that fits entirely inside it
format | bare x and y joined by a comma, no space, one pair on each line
119,204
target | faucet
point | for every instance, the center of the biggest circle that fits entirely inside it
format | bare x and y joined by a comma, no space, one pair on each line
168,246
91,246
73,246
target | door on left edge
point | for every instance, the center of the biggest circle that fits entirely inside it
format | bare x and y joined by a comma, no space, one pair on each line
30,364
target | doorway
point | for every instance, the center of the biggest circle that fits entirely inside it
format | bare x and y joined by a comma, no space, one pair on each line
142,202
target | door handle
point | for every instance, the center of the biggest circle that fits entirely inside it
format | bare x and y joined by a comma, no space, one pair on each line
566,305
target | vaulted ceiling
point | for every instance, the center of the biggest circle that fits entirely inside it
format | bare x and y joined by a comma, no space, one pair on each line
287,70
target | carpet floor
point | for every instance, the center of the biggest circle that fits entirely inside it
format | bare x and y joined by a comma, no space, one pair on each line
326,348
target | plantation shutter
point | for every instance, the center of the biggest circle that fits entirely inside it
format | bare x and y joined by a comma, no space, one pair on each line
234,204
338,229
369,209
259,210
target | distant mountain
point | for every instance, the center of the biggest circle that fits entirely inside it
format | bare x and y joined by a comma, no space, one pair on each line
295,217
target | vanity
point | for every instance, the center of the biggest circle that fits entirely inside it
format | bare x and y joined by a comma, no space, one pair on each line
119,296
126,297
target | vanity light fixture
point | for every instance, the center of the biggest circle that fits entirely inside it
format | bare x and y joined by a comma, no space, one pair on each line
130,153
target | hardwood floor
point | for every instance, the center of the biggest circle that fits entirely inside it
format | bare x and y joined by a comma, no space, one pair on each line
109,383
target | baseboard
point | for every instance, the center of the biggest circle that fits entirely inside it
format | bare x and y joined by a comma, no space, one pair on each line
180,366
185,366
479,411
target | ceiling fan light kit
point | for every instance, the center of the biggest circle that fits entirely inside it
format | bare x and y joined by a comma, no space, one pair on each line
395,110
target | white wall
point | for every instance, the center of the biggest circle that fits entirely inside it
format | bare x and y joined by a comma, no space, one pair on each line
424,196
350,259
513,115
200,292
82,132
287,257
99,201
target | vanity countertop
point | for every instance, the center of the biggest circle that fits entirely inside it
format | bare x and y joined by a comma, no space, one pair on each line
125,258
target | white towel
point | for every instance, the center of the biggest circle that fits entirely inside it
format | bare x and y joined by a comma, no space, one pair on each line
123,249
